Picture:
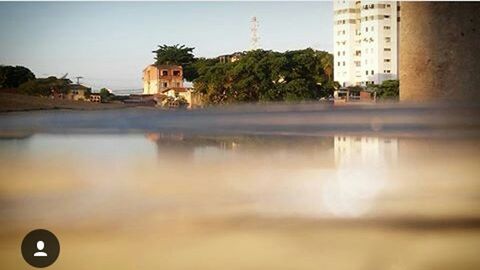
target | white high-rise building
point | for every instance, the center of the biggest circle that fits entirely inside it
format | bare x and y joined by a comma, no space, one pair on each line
365,41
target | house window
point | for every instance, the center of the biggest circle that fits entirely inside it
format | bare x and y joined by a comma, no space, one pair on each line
366,72
387,39
164,72
165,84
343,53
386,16
176,73
338,53
178,84
366,29
343,63
358,53
371,72
386,27
387,49
386,60
338,63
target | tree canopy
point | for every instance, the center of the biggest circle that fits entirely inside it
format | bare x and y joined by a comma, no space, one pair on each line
14,76
264,76
388,89
45,86
176,55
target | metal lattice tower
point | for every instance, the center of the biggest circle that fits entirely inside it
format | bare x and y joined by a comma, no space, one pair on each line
254,34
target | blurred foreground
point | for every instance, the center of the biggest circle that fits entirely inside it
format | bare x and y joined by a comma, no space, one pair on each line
297,187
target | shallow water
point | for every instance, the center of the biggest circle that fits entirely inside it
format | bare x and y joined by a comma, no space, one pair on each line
217,200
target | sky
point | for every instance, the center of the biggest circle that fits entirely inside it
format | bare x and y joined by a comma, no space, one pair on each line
109,43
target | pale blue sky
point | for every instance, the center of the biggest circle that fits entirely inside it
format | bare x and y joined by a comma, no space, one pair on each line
110,43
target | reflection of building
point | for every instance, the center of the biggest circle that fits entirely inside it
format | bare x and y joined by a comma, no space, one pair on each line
157,78
351,150
365,41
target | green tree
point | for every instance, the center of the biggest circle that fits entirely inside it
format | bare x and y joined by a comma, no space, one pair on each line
264,76
105,94
14,76
389,89
177,55
45,86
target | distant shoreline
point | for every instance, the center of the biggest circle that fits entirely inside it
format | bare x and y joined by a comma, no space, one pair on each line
10,102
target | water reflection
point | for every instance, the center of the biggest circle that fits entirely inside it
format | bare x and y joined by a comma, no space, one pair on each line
204,194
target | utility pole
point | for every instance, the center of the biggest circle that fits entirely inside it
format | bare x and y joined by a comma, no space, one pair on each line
254,34
78,79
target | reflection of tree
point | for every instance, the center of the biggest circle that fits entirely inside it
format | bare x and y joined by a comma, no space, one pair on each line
181,147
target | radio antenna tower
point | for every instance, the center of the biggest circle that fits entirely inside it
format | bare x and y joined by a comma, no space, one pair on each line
254,33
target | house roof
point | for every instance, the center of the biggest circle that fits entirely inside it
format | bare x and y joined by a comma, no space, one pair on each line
165,66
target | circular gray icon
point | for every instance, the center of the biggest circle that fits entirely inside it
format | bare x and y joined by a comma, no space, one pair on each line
40,248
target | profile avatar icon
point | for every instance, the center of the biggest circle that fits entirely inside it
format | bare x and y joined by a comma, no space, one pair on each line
40,253
40,248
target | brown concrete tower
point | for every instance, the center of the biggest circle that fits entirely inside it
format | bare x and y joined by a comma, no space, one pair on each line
439,51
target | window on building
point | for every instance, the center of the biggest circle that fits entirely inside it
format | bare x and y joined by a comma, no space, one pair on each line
386,27
357,63
164,72
343,63
176,73
386,60
386,16
338,63
366,29
387,39
371,72
358,53
388,5
387,49
343,53
366,72
371,28
178,84
165,84
338,53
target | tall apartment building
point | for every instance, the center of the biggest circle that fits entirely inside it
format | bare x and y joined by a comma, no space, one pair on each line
365,41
